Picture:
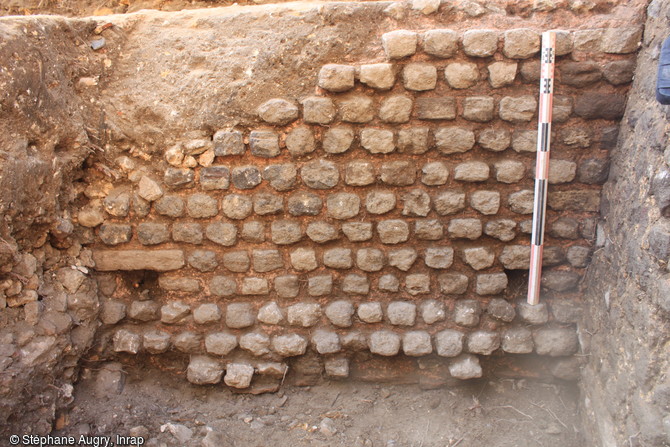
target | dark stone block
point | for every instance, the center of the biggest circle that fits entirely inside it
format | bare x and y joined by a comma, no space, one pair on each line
600,106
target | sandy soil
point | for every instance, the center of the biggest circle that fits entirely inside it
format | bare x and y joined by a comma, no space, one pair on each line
168,411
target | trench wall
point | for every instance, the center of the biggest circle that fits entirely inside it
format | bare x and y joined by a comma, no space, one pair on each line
625,382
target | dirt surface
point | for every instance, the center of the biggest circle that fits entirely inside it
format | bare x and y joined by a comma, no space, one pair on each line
479,413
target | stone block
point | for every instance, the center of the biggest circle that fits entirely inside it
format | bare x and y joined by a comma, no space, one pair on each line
416,202
336,78
343,205
303,259
245,177
322,232
178,178
517,340
449,202
128,341
483,342
304,203
478,109
465,366
428,229
432,311
188,342
461,75
377,76
254,286
336,368
453,283
560,280
238,375
416,343
396,109
220,343
582,200
619,72
436,108
355,284
289,345
515,257
388,282
236,261
264,143
472,171
380,202
414,140
441,43
357,231
227,143
207,313
370,312
398,173
501,310
174,312
285,232
326,342
517,109
402,259
115,234
621,40
561,171
565,227
399,44
240,315
157,260
359,173
521,43
434,173
417,284
370,259
187,232
480,43
521,202
419,76
150,233
593,171
204,370
317,110
495,140
223,286
384,343
237,206
439,257
303,314
281,177
502,74
465,228
377,141
490,283
393,231
178,284
340,313
278,111
449,343
338,139
452,140
479,258
170,205
579,256
156,342
486,202
608,106
270,313
357,109
509,171
501,229
401,313
300,141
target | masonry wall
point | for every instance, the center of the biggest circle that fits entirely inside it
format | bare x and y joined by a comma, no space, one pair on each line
388,211
625,382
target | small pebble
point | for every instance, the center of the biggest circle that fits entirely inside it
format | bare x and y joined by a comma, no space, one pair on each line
98,43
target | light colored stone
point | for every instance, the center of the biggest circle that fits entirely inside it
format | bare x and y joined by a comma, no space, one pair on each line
336,78
340,313
399,44
401,313
461,75
509,171
479,258
486,202
220,343
419,76
465,367
377,141
384,343
289,345
449,343
472,171
483,342
238,375
480,42
204,370
378,76
517,109
416,343
521,43
452,140
502,74
370,312
303,314
495,140
490,283
270,313
440,42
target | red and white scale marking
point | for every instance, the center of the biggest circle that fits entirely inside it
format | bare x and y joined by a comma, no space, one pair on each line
542,165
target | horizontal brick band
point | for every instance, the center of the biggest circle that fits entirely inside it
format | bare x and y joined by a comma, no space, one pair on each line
158,260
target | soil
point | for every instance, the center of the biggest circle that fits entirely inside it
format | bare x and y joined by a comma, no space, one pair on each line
500,412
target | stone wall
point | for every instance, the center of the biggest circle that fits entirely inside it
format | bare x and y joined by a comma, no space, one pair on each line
625,382
387,212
